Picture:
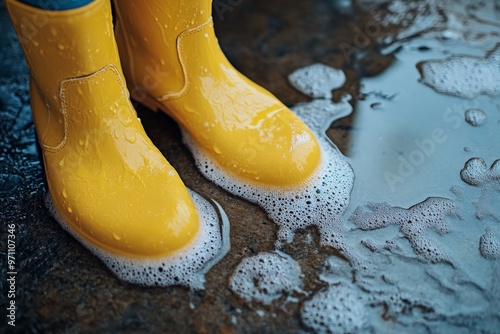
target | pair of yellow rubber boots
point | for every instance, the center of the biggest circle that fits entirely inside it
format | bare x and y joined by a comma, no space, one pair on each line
107,180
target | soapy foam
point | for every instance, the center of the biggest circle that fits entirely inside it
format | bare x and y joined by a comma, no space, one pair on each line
185,267
475,117
489,244
265,277
464,76
317,80
476,172
338,309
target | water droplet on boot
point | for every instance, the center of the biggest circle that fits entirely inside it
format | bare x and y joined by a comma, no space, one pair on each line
130,137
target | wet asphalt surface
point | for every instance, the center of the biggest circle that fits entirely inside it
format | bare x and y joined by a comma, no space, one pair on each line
61,287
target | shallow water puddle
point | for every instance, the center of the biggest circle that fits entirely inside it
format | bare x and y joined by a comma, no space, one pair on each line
414,145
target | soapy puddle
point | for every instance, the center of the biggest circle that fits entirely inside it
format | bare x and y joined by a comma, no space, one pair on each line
266,277
421,234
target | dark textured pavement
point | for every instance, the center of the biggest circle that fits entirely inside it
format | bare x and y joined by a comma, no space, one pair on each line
62,287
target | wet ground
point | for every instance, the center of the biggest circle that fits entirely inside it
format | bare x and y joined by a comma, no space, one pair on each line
61,287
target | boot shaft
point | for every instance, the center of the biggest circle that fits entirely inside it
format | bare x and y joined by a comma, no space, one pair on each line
60,45
147,35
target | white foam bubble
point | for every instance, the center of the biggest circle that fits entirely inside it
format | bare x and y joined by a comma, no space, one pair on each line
495,170
476,172
464,76
338,309
317,80
185,267
265,277
489,244
475,117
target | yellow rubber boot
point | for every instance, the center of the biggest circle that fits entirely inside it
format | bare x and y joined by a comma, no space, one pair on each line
109,184
173,62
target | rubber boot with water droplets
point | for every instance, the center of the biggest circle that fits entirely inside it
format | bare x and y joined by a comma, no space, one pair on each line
109,184
173,62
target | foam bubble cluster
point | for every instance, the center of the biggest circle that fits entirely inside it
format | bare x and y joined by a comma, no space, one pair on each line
317,80
265,277
338,309
413,223
464,76
476,172
475,117
489,244
186,266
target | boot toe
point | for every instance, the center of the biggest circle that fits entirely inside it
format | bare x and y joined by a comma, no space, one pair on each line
141,214
282,151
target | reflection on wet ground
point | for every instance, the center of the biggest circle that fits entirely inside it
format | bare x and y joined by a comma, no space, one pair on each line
407,263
